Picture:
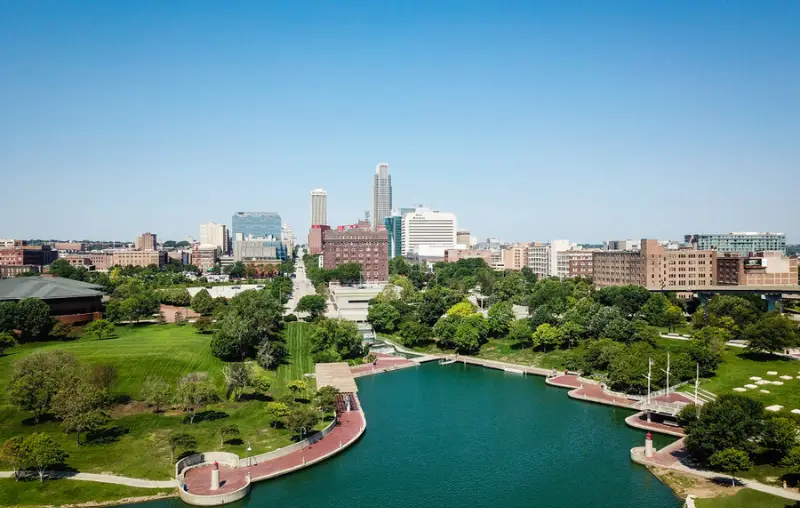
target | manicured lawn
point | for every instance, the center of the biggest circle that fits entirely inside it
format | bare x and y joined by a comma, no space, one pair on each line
134,443
60,492
737,368
745,498
505,350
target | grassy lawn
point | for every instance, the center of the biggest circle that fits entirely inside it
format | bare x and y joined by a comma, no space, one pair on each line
505,350
745,498
134,443
680,329
737,368
61,492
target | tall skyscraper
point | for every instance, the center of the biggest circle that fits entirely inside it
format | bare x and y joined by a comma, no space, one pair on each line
215,234
381,195
256,224
319,207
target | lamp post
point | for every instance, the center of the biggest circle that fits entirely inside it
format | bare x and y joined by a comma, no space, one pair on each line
247,453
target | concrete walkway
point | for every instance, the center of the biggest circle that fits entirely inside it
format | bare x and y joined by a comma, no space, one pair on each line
106,478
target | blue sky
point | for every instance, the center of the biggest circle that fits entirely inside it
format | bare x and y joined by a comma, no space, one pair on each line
530,120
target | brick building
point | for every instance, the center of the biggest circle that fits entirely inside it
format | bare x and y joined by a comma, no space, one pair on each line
99,260
358,245
769,268
315,238
453,255
39,255
69,246
138,258
147,241
516,256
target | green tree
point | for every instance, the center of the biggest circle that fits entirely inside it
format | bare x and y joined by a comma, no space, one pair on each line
511,288
792,459
203,325
326,398
251,318
79,406
546,335
384,317
33,318
673,317
260,383
13,454
414,333
655,309
43,452
62,268
37,378
731,421
301,420
541,315
237,378
8,316
178,297
277,411
337,335
99,329
779,435
194,393
6,341
313,304
445,330
521,332
347,273
772,333
398,266
297,387
501,316
621,330
60,330
202,303
466,339
731,461
156,392
227,432
433,305
182,441
571,332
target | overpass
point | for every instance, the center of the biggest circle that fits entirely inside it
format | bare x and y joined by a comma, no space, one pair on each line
772,294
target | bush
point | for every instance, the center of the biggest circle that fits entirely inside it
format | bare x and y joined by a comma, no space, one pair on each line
290,318
60,330
203,325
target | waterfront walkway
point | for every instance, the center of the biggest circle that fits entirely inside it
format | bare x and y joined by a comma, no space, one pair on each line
105,478
383,363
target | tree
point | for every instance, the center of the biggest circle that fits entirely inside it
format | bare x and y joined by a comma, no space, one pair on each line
655,309
511,288
60,330
466,338
541,315
792,459
414,333
270,353
180,440
731,421
571,332
347,273
620,329
99,329
251,318
384,317
313,304
296,387
521,332
177,297
227,432
78,404
301,420
202,303
193,393
770,334
779,435
6,341
37,378
326,398
8,316
673,317
501,316
43,452
277,412
260,383
687,415
731,461
338,335
398,266
445,330
13,454
463,308
432,306
156,392
546,335
238,377
33,318
203,325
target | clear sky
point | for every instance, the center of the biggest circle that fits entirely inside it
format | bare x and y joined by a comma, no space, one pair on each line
530,120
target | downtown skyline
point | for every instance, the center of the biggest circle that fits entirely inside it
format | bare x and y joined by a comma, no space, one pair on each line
528,122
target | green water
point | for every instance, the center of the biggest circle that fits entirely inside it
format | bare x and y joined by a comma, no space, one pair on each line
456,435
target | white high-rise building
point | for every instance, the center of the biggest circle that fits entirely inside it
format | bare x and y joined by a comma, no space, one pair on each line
543,257
381,195
215,234
428,232
319,207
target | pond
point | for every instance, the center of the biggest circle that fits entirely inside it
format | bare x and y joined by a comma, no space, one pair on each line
460,435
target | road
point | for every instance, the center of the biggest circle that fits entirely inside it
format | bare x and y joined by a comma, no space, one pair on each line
301,287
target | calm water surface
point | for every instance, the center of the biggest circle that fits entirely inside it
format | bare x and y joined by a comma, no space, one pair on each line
457,435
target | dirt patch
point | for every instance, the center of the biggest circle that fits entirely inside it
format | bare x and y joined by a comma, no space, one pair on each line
129,409
684,484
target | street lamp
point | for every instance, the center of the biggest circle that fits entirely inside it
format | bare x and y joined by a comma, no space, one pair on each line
247,454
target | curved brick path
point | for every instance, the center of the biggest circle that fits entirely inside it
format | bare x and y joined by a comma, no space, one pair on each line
351,424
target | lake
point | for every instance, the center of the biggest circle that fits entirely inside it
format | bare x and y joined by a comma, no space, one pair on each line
461,435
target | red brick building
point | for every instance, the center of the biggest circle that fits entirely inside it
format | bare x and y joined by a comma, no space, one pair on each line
315,238
28,255
358,245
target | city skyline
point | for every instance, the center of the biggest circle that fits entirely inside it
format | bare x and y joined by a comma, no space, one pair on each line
534,121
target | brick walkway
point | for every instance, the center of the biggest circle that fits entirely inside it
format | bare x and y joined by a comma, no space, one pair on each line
231,479
383,363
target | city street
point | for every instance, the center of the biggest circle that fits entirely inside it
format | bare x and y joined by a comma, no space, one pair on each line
302,287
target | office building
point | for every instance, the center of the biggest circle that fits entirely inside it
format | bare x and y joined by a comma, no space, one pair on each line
463,238
453,255
543,257
101,261
39,255
215,234
315,238
428,233
138,258
204,256
655,267
515,257
575,262
319,207
767,268
394,228
287,237
69,246
263,250
360,244
622,245
740,243
256,224
10,243
381,195
147,241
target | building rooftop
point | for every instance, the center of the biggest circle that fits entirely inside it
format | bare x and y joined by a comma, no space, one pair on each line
46,288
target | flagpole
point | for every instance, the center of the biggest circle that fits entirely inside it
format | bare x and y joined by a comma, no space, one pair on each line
649,376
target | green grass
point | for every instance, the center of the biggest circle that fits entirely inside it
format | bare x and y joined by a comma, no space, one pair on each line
136,443
681,329
745,498
61,492
505,350
738,366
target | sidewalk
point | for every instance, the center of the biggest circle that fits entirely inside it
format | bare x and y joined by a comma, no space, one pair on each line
106,478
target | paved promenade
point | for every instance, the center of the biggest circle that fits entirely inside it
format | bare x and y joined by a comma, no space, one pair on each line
352,424
105,478
383,363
